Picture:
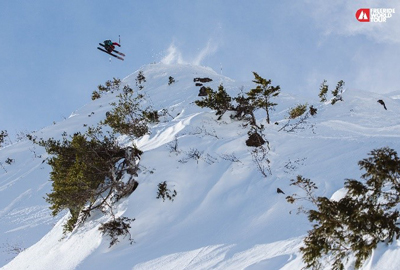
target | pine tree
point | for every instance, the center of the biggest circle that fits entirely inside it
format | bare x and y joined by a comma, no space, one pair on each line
354,225
323,90
86,173
260,97
337,93
219,101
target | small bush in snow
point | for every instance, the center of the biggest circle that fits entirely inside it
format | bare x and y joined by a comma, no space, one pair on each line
297,111
117,227
312,110
192,154
110,86
219,101
259,157
165,193
3,136
173,146
171,80
10,161
354,225
140,78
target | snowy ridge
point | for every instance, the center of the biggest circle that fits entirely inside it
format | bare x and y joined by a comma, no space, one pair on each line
226,215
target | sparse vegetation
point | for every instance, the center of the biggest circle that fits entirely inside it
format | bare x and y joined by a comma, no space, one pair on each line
219,101
323,90
3,137
140,79
297,111
109,87
165,193
117,227
337,93
171,80
260,159
127,117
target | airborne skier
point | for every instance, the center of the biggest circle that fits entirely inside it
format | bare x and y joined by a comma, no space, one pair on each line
109,47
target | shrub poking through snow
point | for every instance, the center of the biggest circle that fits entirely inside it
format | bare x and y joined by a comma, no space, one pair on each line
117,227
323,90
109,87
297,111
219,101
165,193
3,137
337,93
140,79
354,225
171,80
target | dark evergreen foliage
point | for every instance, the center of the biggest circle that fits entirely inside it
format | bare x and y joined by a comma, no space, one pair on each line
323,90
171,80
165,193
260,97
127,117
87,172
337,93
117,227
297,111
109,87
354,225
3,136
219,101
140,78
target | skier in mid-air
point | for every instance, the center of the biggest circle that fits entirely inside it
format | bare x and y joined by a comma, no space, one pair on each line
109,47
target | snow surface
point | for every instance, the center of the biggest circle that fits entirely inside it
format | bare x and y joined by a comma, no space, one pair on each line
226,215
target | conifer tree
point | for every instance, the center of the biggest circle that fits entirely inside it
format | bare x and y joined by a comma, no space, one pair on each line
337,93
354,225
323,90
219,101
86,173
261,96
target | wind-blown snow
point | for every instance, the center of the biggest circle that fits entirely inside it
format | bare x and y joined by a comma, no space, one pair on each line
226,215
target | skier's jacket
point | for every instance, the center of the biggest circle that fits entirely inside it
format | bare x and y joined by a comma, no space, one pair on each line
110,46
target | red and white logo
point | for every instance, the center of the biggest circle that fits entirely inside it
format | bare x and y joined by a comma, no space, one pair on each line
363,15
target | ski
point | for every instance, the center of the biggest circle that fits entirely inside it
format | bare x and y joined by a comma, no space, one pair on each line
116,56
115,51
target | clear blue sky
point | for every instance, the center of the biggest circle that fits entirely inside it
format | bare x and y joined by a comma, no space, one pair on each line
49,64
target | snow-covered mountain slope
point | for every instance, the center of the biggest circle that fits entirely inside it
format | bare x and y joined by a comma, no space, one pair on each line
226,214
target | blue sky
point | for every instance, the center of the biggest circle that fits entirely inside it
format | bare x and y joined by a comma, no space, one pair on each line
49,64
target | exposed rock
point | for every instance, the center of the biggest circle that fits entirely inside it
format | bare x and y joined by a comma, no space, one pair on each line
203,80
383,103
255,140
203,92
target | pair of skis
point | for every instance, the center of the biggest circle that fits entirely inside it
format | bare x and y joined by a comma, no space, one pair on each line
117,55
